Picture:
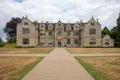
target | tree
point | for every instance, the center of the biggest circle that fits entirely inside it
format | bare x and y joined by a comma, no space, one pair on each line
115,33
11,40
10,28
105,31
0,40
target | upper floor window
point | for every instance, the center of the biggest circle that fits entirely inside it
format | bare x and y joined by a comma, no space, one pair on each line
68,32
25,30
50,32
25,41
59,32
92,24
71,28
76,33
25,23
42,32
92,31
92,41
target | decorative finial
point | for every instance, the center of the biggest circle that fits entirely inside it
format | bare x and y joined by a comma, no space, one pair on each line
92,17
81,21
97,20
59,19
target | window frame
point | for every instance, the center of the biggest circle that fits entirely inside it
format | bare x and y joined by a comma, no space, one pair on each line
26,30
25,40
76,32
25,23
92,31
68,41
92,41
76,41
50,33
92,23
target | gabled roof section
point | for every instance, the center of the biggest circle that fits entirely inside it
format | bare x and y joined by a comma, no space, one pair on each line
93,20
26,19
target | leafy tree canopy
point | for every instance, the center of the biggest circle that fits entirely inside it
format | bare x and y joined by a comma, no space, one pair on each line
10,28
115,33
105,31
11,40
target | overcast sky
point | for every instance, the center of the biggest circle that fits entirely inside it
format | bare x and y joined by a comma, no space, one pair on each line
67,10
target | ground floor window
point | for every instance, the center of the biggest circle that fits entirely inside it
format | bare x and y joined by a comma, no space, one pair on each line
106,43
76,41
42,42
50,43
68,41
92,41
25,41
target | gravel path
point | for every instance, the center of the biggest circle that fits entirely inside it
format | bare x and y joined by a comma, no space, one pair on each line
98,54
58,65
44,55
23,55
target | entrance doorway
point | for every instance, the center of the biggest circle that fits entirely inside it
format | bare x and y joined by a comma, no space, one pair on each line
59,44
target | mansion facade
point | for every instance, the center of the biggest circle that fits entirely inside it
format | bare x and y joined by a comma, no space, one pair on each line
59,34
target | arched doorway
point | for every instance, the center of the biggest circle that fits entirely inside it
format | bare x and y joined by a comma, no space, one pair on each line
59,44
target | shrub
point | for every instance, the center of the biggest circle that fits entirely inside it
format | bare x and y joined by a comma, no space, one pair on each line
117,44
18,46
1,44
93,47
30,46
10,45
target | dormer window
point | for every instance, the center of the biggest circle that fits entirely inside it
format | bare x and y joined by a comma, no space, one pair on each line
92,24
25,23
67,27
59,24
41,26
76,27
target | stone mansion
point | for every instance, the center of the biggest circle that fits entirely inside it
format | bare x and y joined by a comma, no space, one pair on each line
59,34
